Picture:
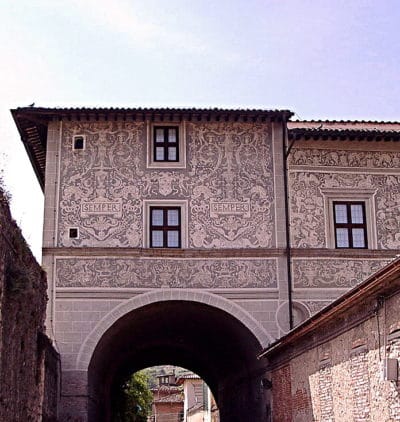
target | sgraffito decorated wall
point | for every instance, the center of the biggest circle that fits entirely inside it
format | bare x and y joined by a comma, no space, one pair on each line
349,171
317,272
228,185
313,170
153,273
228,182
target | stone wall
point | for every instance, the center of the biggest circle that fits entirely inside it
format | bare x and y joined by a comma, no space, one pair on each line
335,372
26,355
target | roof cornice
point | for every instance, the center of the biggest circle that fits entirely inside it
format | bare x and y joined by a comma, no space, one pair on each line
32,122
350,134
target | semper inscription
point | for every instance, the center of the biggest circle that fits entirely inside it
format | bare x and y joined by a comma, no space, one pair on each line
102,187
229,208
100,207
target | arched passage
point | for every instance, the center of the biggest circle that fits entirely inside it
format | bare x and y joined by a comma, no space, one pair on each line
205,333
88,346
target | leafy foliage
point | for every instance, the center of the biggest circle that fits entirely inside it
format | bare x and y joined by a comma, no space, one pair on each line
136,401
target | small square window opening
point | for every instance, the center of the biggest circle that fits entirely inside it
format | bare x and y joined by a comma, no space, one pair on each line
73,233
79,142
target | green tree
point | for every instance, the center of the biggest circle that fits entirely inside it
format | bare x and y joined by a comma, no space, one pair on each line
137,398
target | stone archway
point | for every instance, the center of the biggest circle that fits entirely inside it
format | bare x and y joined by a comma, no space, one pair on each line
197,330
88,346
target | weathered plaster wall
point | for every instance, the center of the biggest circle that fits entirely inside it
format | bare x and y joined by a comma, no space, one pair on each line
25,357
341,379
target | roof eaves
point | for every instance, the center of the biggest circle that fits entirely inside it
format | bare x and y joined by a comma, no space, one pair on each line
344,134
341,303
33,144
68,111
320,121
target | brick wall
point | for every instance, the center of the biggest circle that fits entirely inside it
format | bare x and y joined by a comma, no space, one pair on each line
24,356
340,379
282,395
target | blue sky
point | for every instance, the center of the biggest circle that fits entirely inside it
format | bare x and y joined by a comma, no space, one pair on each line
322,59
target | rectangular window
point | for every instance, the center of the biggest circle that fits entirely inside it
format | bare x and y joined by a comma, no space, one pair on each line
166,144
350,225
165,227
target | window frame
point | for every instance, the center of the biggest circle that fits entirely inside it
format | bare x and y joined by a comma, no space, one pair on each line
180,163
337,194
75,139
165,227
349,226
75,231
154,203
166,144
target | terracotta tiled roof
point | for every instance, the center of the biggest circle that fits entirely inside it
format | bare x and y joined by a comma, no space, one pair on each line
345,134
167,394
181,379
32,122
74,111
344,129
341,123
173,398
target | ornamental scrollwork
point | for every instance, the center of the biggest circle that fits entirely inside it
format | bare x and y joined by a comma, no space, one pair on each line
232,163
307,211
388,211
342,158
315,306
150,273
100,176
333,273
308,228
102,187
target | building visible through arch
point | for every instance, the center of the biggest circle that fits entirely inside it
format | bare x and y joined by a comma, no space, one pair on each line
196,237
209,341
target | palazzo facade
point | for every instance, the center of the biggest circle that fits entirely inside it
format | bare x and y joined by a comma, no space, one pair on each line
234,224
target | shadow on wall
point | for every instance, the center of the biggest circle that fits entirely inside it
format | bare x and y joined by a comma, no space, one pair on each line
29,365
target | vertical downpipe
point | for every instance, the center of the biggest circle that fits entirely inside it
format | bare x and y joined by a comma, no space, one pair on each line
286,151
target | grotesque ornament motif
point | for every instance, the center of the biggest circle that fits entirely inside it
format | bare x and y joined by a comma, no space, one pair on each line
102,187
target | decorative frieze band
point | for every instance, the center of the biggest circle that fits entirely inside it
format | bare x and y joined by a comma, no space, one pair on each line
337,158
174,273
333,273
